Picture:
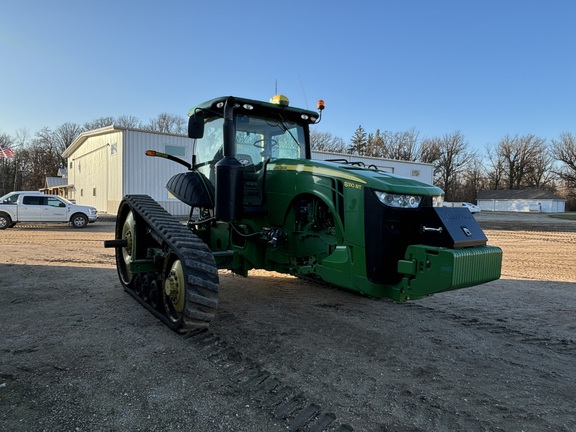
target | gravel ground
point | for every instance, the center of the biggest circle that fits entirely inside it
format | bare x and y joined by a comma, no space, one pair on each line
79,354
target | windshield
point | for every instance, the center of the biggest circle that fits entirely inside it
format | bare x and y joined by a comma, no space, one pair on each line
257,140
9,198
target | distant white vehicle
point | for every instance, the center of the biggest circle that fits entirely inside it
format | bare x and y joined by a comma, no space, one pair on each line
473,208
33,206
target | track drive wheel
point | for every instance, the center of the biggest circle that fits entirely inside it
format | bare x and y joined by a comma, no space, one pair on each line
126,230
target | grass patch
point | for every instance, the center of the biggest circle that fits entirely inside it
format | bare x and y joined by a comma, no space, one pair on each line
567,216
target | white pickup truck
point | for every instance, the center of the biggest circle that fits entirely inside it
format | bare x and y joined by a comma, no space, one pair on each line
33,206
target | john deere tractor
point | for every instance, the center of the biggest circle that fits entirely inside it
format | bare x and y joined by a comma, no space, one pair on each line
258,201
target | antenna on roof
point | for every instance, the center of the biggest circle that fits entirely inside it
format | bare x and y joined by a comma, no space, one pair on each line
303,92
276,87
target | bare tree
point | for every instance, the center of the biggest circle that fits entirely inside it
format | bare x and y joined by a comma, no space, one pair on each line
520,156
56,141
472,181
494,169
540,174
42,157
21,141
98,123
564,150
429,151
375,144
401,145
167,123
451,157
65,134
325,141
128,122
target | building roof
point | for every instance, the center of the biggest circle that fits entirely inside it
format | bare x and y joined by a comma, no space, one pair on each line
516,194
80,139
52,182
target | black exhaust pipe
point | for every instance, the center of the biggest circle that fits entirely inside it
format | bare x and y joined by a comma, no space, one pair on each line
229,171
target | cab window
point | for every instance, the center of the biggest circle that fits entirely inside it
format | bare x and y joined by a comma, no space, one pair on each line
34,200
55,202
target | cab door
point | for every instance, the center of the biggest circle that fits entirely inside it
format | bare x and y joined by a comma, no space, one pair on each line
55,210
31,208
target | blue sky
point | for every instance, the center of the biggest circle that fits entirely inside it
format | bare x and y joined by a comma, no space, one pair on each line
485,68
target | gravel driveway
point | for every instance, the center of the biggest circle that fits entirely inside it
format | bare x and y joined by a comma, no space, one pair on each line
79,354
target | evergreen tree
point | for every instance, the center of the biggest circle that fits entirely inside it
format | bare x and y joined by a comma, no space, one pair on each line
359,142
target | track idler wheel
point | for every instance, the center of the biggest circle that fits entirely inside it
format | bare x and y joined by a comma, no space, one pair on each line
147,280
174,291
155,298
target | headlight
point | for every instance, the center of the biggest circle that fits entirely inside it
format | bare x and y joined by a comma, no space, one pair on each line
93,211
437,200
399,200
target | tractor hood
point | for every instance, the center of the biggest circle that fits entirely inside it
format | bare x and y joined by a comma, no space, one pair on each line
358,176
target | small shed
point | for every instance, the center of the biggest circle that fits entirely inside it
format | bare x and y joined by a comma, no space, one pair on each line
522,200
57,185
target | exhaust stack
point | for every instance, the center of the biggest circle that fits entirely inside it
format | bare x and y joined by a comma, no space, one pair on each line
229,171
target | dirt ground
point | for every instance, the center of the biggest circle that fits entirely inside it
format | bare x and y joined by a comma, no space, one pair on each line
79,354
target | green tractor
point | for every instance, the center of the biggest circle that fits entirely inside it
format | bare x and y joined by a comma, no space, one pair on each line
258,201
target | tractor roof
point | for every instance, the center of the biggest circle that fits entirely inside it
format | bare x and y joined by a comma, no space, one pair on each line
215,108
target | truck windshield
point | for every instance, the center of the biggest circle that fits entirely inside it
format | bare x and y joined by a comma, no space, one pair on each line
257,140
9,198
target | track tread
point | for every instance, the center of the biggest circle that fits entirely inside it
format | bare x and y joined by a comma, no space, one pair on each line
201,273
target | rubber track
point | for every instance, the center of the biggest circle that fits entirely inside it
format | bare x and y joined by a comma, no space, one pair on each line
197,260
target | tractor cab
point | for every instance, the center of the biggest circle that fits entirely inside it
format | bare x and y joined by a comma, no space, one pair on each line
235,139
257,141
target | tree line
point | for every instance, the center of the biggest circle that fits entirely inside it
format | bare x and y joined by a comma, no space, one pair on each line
515,162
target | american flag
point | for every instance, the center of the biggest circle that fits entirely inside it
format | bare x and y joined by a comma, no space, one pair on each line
5,152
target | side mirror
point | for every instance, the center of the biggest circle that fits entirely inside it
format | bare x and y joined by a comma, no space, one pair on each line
196,126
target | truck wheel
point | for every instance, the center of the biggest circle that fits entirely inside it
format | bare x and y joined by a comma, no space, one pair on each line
5,221
79,220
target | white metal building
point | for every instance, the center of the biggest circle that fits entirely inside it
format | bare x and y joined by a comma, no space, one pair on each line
523,200
106,164
415,170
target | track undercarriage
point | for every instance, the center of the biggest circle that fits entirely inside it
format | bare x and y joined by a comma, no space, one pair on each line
164,266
